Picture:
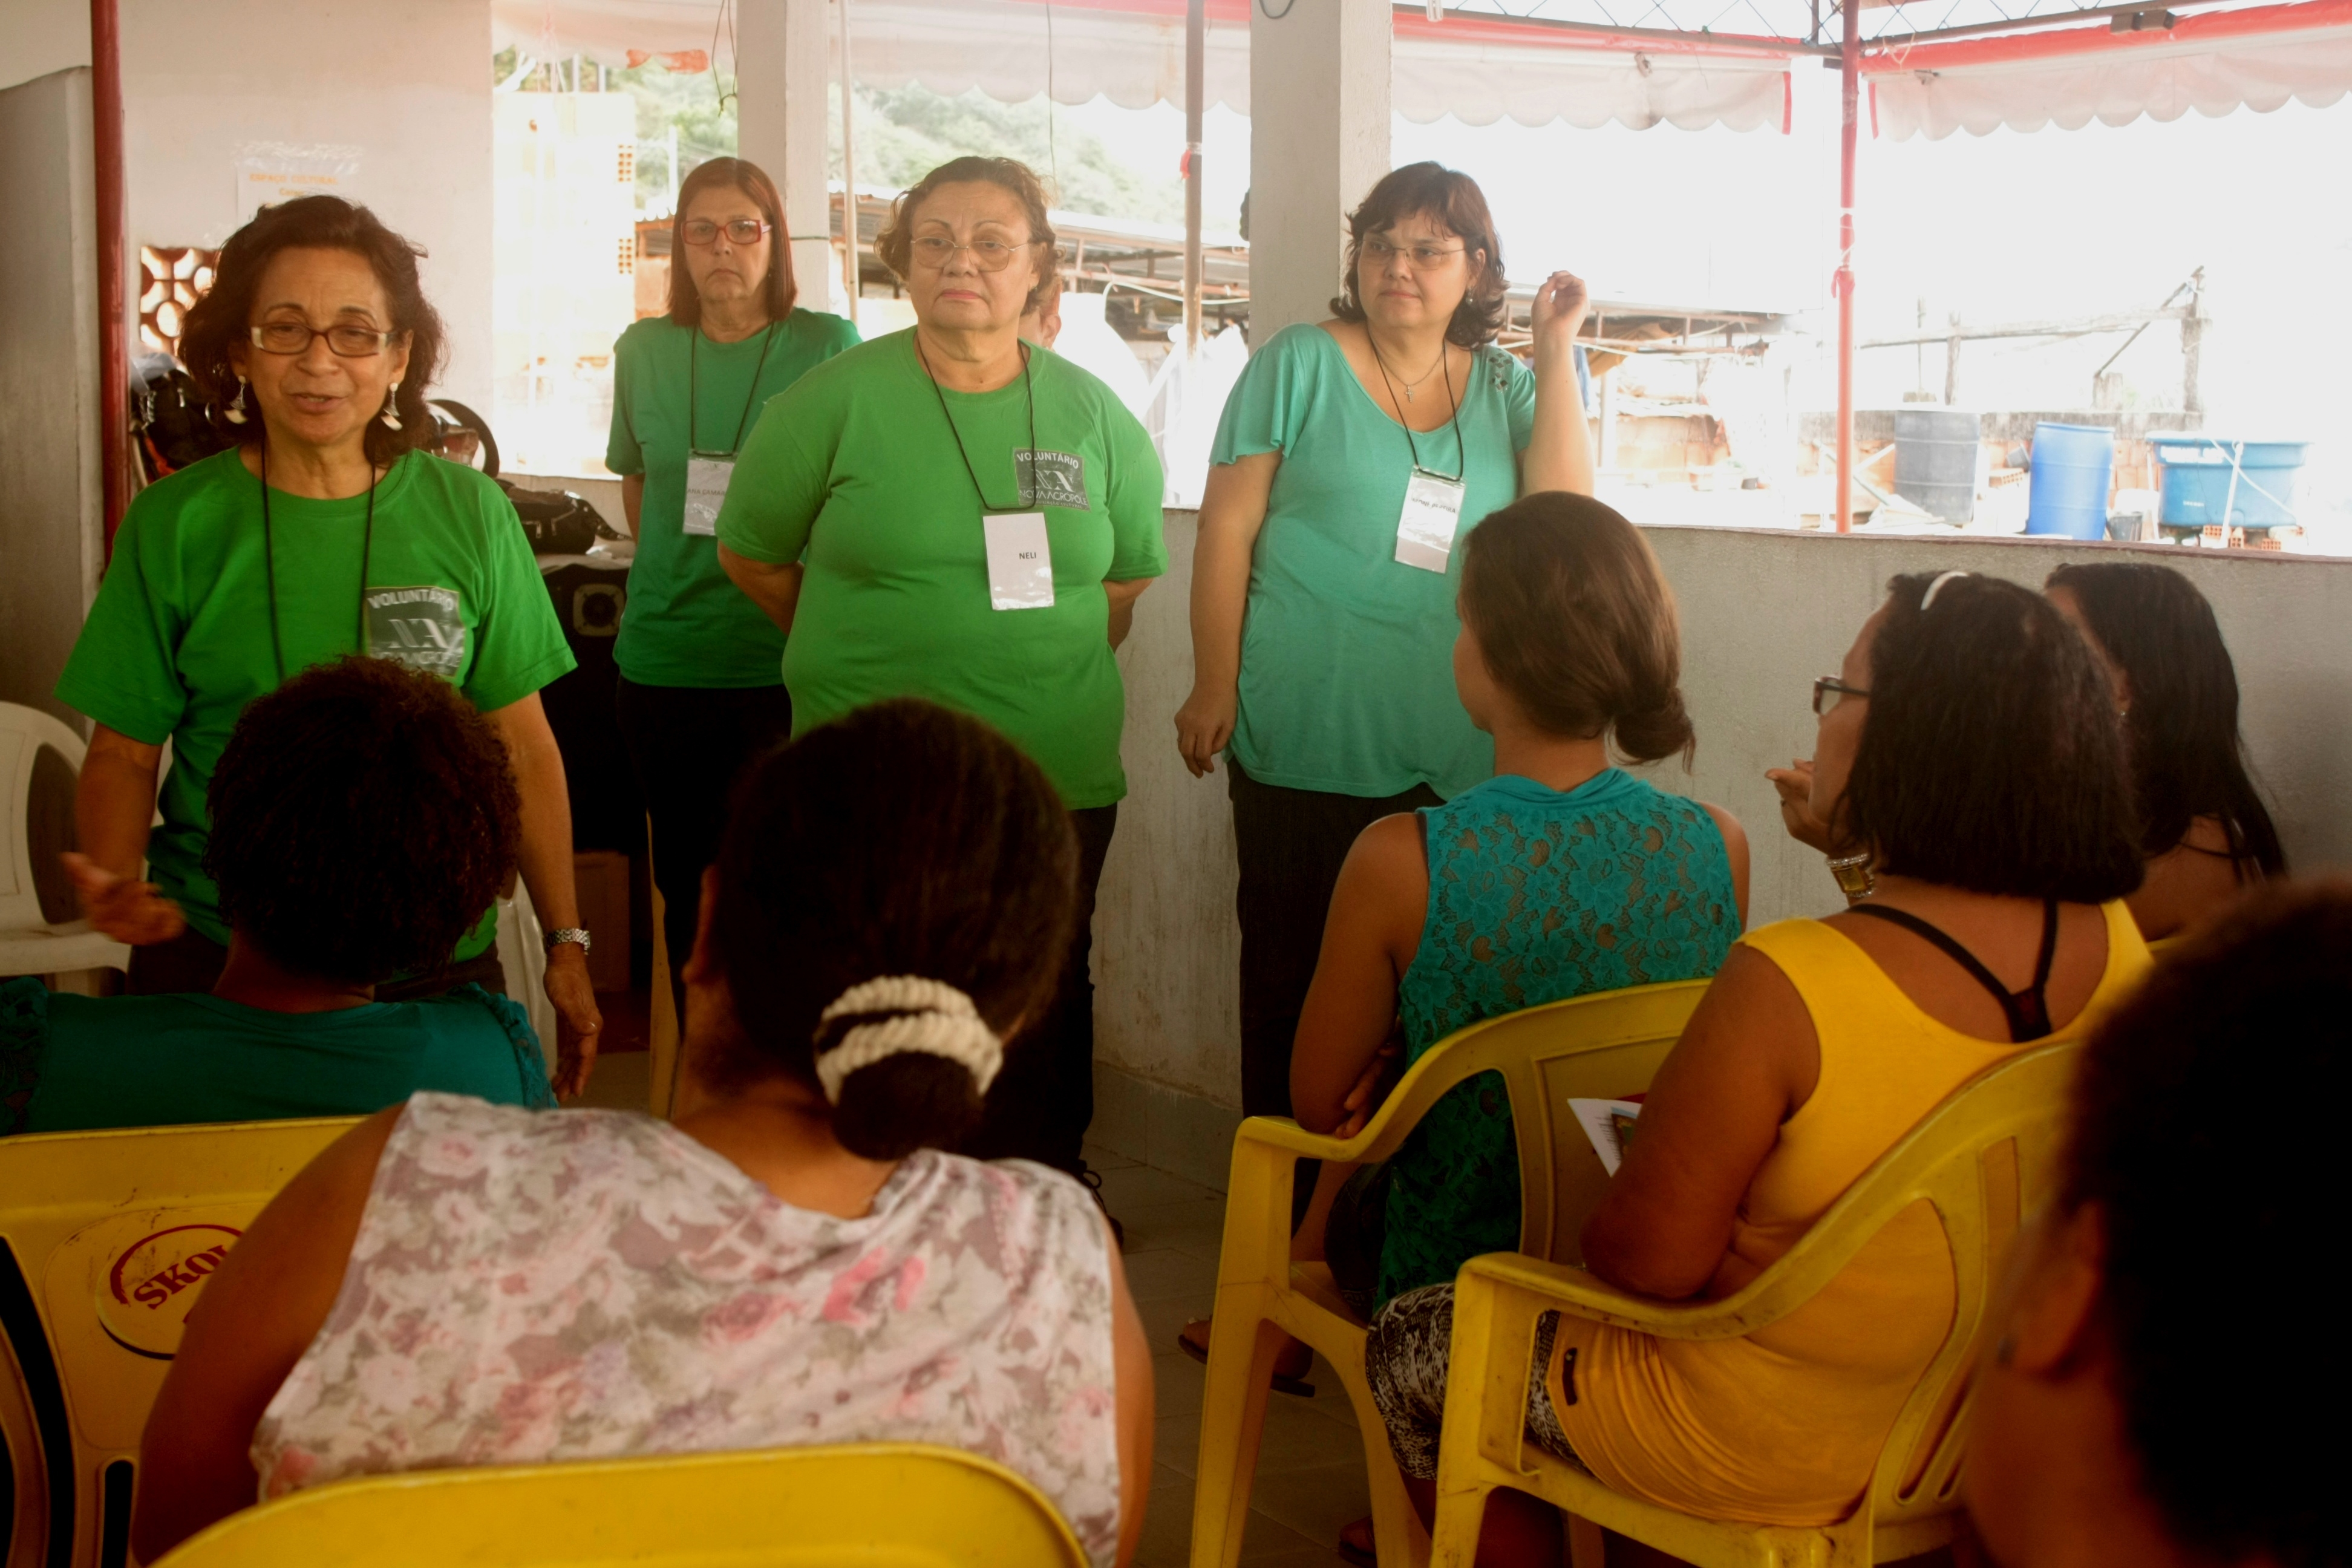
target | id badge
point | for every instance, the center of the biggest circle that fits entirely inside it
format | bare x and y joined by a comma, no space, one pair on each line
705,491
1425,528
1020,561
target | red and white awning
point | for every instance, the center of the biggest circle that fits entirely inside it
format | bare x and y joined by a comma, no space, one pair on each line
1133,52
2214,64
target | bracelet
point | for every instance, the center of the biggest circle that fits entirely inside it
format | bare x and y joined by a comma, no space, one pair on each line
577,934
1854,878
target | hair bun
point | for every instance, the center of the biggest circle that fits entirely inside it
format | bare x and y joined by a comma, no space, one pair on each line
902,1013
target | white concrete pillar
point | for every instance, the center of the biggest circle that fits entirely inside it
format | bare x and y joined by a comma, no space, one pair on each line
781,73
1318,140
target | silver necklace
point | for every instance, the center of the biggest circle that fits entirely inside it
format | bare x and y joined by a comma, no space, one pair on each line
1424,376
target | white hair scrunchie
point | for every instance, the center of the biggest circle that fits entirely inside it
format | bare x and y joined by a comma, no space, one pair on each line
933,1018
1935,587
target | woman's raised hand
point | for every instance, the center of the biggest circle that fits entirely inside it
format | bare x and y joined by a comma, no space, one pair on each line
1203,725
1795,783
1557,314
128,910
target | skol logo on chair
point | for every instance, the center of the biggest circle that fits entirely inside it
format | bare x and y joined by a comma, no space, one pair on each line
153,1282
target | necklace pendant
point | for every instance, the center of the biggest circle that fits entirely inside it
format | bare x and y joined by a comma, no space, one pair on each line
1408,394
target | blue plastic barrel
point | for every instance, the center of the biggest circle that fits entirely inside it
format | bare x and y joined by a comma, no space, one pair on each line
2199,472
2074,467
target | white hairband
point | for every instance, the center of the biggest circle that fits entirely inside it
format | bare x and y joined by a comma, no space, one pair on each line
1935,587
932,1017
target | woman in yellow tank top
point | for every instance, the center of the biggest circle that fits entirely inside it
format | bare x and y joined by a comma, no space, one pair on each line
1969,749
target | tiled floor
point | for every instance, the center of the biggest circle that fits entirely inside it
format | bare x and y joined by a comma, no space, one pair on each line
1310,1472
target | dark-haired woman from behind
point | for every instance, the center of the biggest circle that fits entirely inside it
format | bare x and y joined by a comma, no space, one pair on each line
363,815
793,1260
1967,750
2203,827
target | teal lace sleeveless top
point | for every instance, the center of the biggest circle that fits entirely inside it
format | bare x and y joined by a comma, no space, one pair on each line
1535,896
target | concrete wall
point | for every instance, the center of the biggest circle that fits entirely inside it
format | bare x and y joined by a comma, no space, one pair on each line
408,85
49,528
1762,615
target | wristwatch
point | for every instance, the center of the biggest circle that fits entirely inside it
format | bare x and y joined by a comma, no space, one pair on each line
556,939
1855,876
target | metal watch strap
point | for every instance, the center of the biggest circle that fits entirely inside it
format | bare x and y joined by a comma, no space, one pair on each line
573,935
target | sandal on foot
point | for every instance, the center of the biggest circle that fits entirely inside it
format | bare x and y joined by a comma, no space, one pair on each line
1283,1382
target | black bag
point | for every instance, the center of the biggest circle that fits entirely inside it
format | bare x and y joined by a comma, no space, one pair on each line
557,523
169,420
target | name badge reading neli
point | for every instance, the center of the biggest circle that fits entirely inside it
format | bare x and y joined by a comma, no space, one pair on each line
705,491
1020,561
1425,528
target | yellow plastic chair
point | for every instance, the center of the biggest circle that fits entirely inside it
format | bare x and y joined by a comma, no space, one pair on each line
1983,1157
874,1505
106,1239
1601,1046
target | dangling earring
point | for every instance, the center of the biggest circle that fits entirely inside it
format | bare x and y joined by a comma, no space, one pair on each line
391,415
234,412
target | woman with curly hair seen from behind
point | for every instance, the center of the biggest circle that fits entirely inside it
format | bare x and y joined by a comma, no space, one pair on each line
951,513
2203,826
1350,455
363,815
1967,752
794,1260
326,529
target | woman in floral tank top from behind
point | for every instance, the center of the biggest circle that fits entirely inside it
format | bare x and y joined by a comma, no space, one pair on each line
793,1261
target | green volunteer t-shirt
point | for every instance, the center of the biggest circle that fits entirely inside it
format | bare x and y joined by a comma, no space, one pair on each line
168,1061
854,472
179,639
685,623
1347,681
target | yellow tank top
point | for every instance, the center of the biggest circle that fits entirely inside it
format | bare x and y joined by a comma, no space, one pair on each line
1784,1426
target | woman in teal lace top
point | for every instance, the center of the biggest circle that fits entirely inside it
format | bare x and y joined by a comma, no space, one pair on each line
1560,875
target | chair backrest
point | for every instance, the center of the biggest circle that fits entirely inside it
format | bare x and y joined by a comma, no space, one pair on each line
1605,1045
105,1242
879,1505
1987,1155
39,760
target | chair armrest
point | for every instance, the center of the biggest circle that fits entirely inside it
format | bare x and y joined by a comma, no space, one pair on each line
1564,1287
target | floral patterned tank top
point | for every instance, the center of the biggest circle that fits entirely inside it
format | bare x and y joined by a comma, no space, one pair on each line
1535,895
582,1284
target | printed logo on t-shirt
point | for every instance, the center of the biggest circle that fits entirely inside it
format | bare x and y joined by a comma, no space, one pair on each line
1059,479
420,627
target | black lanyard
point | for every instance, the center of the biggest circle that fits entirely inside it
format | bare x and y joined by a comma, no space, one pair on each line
1027,390
1461,457
767,342
270,566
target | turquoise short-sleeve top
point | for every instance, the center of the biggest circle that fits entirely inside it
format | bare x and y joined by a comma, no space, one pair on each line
1347,681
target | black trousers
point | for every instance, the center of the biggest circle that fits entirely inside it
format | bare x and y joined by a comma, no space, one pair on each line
1044,1096
193,961
688,745
1291,844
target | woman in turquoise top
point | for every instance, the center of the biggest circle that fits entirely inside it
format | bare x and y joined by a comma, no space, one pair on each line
701,685
1558,876
1321,607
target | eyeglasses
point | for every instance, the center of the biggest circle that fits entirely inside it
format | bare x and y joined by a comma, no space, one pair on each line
1424,257
935,251
742,230
344,342
1828,684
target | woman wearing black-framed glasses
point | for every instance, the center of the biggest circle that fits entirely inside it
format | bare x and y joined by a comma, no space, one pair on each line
701,683
325,532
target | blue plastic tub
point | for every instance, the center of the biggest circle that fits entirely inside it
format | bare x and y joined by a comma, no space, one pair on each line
2074,468
2198,472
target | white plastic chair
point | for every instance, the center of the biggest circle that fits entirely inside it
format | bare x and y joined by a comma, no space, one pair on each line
30,943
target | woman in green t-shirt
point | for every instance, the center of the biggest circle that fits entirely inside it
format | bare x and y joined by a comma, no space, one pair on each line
701,686
1351,455
949,512
324,532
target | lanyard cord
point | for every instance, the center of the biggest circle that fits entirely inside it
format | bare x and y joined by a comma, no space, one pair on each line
767,341
270,566
1461,457
1027,390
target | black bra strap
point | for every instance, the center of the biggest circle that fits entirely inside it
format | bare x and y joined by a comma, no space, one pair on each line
2028,1011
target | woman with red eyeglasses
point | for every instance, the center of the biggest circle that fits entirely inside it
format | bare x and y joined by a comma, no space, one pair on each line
701,685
